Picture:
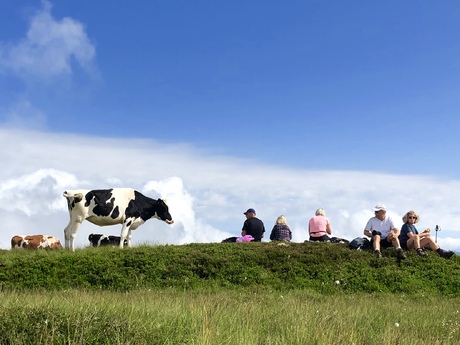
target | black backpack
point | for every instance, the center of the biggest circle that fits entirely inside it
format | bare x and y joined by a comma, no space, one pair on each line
360,243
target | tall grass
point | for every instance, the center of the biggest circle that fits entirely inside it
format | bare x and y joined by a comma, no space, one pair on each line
237,316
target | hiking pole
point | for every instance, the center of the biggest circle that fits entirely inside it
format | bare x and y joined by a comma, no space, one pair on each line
438,228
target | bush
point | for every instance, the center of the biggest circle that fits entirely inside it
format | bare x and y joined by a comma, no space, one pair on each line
321,267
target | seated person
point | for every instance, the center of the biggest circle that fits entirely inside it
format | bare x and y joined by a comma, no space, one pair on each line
383,232
281,230
411,239
253,226
319,227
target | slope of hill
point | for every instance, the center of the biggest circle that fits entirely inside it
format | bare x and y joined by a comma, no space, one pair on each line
321,267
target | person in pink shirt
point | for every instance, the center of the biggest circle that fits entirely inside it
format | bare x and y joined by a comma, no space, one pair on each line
319,227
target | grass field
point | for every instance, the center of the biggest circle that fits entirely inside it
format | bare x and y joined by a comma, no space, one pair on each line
241,316
257,293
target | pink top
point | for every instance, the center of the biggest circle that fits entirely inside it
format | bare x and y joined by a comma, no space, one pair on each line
317,226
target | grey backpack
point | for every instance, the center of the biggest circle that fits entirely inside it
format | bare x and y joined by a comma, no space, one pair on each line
360,243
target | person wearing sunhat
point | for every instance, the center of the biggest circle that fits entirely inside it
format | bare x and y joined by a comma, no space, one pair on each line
383,232
253,226
410,238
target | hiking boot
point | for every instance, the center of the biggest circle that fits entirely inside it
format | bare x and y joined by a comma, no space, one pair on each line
446,254
420,252
400,254
377,254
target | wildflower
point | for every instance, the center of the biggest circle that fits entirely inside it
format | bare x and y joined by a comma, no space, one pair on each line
397,324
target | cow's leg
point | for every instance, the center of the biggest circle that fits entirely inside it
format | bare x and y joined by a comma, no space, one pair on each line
70,232
124,234
128,238
67,234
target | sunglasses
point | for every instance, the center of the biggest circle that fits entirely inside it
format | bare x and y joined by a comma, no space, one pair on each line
412,217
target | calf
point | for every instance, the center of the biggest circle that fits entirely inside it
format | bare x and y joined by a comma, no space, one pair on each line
103,207
35,242
98,240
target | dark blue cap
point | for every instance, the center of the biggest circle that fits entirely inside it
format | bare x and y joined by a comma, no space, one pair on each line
250,210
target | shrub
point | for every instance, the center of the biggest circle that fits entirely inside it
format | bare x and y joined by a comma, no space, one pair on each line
321,267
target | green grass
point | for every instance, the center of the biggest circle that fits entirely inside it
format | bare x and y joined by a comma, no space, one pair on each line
228,293
241,316
308,266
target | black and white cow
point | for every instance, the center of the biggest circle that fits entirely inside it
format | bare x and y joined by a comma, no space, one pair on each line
97,240
103,207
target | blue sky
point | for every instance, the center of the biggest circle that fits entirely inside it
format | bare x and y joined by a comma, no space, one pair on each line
309,88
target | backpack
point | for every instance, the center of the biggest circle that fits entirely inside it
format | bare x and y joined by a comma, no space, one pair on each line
230,239
360,243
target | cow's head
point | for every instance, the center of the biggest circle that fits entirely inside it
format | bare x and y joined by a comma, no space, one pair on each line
162,212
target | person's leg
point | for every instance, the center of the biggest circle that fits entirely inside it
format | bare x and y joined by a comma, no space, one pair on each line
414,243
399,252
395,242
376,246
433,246
376,242
429,241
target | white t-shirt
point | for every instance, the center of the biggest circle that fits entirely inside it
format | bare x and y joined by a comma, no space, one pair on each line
384,226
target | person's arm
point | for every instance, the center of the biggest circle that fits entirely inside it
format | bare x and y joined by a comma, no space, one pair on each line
328,228
424,234
394,233
272,234
410,234
368,229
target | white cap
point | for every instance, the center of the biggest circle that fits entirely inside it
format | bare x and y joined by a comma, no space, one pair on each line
380,208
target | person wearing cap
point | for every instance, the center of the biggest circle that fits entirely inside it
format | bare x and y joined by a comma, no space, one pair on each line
319,227
411,239
253,226
383,232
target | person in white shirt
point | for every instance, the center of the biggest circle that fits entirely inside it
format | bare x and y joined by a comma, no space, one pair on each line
383,232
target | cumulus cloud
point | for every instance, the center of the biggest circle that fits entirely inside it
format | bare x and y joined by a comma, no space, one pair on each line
34,193
207,194
49,48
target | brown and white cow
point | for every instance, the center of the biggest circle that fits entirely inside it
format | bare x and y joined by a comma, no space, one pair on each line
35,242
103,207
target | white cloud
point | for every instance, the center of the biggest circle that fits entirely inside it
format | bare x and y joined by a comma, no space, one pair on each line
49,47
207,194
24,115
34,193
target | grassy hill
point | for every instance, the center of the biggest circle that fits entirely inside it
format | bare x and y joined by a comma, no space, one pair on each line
321,267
